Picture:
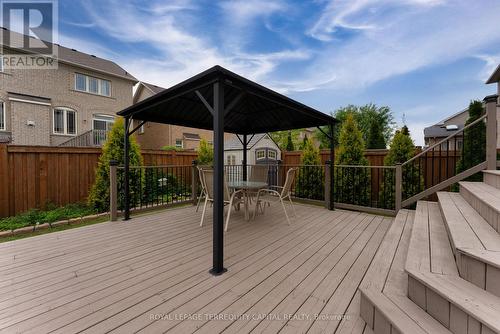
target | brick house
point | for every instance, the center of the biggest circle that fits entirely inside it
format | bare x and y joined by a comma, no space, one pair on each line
156,136
73,105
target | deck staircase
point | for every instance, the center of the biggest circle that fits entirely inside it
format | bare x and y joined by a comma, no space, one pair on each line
438,268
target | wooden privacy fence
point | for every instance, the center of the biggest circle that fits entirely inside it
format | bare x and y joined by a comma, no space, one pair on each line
34,176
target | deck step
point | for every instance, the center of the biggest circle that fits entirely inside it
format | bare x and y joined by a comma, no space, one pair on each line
475,243
457,304
492,177
384,305
485,199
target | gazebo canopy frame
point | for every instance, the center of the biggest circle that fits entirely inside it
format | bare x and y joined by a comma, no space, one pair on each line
220,100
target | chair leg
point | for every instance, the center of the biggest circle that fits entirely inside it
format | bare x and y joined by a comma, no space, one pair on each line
256,205
293,207
284,209
199,201
204,209
229,213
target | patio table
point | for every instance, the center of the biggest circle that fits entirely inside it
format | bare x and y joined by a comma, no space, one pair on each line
246,187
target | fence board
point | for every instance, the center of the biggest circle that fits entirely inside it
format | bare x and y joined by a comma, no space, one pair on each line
34,176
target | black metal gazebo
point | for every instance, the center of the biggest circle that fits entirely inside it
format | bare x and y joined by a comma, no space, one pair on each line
220,100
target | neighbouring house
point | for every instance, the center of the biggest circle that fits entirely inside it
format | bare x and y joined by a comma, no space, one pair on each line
261,149
448,126
439,131
157,136
73,105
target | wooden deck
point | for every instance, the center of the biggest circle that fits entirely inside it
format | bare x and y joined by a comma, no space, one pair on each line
150,275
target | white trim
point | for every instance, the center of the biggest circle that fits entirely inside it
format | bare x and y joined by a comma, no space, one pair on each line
103,118
87,85
65,122
257,150
29,101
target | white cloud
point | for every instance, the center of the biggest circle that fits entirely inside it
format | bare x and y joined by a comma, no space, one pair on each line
180,52
492,61
403,41
358,15
242,12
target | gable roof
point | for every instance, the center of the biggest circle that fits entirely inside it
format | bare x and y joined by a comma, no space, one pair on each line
76,58
438,131
153,88
150,87
233,143
495,76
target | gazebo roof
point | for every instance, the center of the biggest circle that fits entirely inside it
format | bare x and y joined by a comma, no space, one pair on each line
250,107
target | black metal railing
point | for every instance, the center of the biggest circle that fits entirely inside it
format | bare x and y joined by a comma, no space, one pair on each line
156,185
443,160
365,186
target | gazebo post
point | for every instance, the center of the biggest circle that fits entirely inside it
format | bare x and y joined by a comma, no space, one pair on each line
332,168
245,146
218,208
126,165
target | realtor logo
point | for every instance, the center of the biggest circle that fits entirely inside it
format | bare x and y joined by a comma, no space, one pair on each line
30,26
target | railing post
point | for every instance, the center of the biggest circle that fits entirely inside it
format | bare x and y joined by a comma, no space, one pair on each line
113,190
398,189
328,176
491,131
194,182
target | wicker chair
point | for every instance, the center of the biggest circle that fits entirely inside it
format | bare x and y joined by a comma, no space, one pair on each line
265,196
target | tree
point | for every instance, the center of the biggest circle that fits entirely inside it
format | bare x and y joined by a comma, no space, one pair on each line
281,138
310,180
402,149
352,184
289,143
364,117
113,149
474,142
304,142
205,153
376,138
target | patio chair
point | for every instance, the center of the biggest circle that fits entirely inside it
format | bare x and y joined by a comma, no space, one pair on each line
230,199
258,173
264,195
203,193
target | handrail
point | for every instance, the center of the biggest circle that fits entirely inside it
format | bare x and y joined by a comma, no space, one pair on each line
366,166
445,139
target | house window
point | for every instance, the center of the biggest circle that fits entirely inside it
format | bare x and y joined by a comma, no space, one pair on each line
271,154
102,122
178,143
88,84
260,154
64,121
2,115
231,159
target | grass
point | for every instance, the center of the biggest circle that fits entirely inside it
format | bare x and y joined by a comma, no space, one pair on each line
54,229
52,214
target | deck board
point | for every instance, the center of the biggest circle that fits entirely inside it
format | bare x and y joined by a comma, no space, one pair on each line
114,276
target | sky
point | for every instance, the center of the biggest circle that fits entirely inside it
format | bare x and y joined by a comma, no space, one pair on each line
425,59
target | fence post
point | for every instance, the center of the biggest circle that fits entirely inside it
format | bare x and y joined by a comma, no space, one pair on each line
194,182
113,190
328,183
4,176
491,131
398,187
